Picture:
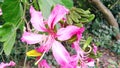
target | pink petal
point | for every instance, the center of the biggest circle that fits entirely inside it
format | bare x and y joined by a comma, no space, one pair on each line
60,53
66,33
43,64
56,15
77,48
4,65
90,62
47,45
94,49
37,19
83,65
32,38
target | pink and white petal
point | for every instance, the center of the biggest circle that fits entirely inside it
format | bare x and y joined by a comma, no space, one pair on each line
43,64
66,33
32,38
4,65
12,63
37,19
83,65
40,49
90,62
94,49
47,45
79,35
77,48
56,15
60,53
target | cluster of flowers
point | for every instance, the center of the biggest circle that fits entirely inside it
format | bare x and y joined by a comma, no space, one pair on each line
50,37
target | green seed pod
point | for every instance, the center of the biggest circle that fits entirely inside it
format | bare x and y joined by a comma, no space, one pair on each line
74,18
83,20
69,20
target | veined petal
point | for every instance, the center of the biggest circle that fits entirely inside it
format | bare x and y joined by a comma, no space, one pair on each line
60,53
37,19
43,64
56,15
66,33
33,53
32,38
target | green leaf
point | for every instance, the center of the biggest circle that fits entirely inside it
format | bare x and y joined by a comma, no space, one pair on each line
68,3
46,5
5,32
12,11
8,45
7,35
89,39
12,14
1,0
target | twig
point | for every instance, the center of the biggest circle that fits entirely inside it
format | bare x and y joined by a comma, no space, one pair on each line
25,57
114,4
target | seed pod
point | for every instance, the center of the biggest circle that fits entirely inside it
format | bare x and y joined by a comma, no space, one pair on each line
77,15
83,20
74,18
69,20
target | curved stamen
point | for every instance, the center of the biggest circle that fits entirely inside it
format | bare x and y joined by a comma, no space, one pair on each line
40,58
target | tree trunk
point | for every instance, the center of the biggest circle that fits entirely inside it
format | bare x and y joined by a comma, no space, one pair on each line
107,15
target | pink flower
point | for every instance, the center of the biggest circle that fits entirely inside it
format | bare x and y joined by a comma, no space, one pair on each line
84,60
4,65
43,64
49,40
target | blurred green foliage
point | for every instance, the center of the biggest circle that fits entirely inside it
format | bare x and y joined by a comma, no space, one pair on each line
103,33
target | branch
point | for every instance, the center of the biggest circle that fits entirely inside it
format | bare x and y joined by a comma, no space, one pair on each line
107,15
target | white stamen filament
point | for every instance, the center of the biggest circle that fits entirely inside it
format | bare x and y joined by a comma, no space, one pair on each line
40,58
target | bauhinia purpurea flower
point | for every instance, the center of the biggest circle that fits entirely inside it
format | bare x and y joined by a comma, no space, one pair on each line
50,37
